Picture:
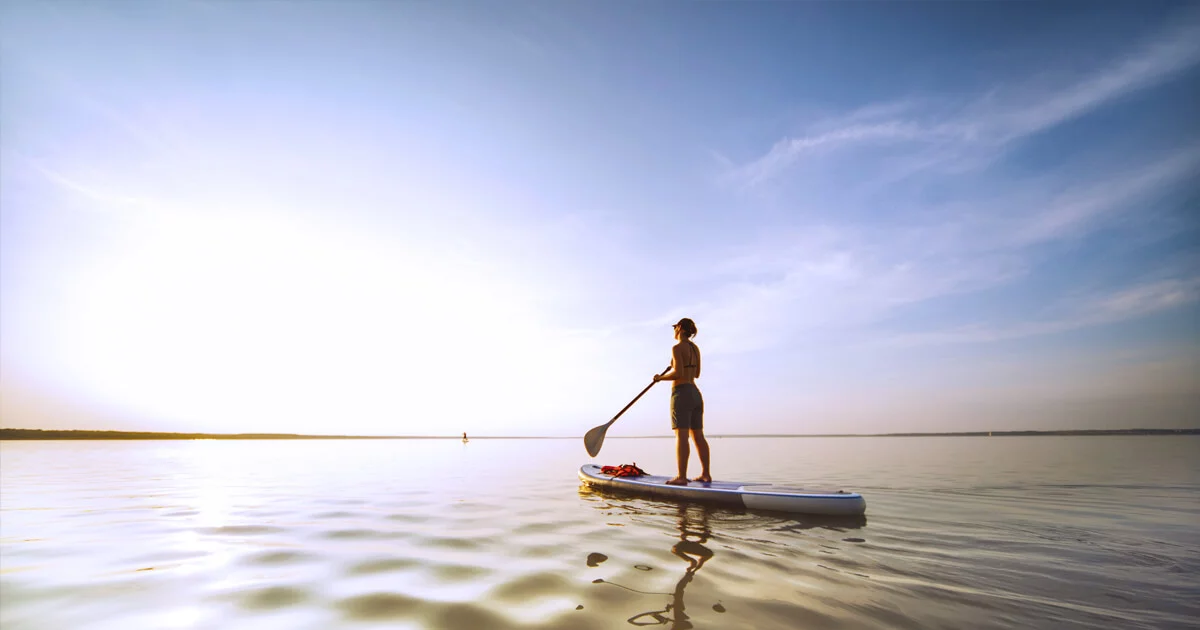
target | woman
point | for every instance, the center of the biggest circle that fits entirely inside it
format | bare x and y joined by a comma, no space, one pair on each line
687,405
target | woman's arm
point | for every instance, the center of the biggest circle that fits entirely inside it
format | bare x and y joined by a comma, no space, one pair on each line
676,357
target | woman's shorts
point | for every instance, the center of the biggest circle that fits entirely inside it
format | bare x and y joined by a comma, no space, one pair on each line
687,407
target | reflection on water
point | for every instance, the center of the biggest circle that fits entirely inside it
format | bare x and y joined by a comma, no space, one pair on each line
693,525
986,534
693,533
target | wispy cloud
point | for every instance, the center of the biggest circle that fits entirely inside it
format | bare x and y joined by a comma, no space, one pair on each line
1153,62
941,132
924,213
134,123
1138,300
1081,209
839,275
100,197
786,151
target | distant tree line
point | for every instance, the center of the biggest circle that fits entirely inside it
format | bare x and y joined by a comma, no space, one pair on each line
39,434
55,434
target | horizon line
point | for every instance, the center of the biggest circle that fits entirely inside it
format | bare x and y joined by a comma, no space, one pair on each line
94,434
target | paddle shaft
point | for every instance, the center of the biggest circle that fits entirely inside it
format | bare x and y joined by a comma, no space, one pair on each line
638,396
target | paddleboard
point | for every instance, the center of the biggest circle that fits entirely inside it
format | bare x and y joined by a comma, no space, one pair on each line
755,496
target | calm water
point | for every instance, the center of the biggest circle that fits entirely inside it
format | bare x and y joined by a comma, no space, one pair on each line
1049,532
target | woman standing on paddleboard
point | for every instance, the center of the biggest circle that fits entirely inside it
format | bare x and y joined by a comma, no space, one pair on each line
687,405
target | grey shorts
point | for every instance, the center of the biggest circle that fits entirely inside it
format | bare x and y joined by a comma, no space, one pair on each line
687,407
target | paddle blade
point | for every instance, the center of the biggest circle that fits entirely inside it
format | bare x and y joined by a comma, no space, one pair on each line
594,439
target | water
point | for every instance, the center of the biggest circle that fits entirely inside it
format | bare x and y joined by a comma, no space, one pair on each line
1013,532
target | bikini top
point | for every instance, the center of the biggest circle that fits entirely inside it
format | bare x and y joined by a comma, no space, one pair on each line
695,353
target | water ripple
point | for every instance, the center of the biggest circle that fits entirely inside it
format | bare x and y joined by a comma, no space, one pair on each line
208,536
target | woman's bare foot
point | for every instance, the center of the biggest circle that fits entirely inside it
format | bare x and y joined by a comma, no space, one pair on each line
678,481
704,479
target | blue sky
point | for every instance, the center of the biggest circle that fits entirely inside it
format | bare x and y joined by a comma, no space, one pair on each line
428,218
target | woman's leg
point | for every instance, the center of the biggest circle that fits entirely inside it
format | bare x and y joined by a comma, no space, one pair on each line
682,452
702,451
681,415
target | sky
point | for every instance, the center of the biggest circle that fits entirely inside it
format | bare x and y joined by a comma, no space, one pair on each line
424,218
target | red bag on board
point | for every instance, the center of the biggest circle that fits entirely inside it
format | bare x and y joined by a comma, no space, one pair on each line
624,470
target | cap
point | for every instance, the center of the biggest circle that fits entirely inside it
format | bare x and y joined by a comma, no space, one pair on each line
687,325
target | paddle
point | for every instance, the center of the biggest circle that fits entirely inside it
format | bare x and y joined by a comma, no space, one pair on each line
595,438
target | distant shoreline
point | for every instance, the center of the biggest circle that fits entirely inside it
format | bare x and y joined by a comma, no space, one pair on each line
54,434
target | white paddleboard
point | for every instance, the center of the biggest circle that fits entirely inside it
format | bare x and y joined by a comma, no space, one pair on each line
756,496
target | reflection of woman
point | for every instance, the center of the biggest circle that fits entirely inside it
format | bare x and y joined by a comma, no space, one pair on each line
693,532
694,552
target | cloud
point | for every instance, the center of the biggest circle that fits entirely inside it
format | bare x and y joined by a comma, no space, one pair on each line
905,206
788,150
813,280
1130,302
1086,206
133,122
1155,61
963,135
93,193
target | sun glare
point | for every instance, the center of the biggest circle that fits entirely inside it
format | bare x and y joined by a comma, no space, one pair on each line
266,323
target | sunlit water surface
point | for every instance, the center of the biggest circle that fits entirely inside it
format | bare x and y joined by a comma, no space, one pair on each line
1045,532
